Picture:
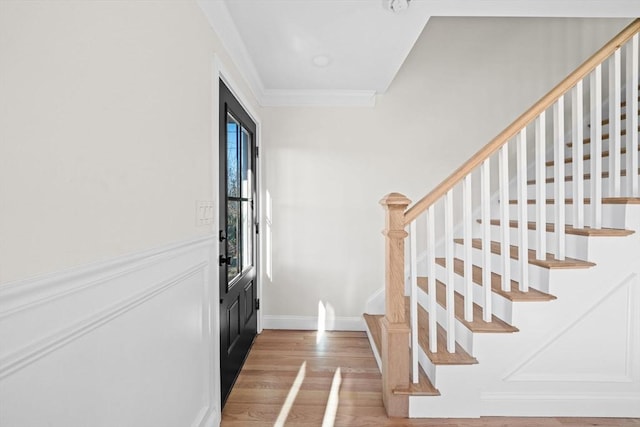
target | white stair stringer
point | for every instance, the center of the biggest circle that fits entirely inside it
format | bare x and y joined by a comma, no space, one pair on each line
578,355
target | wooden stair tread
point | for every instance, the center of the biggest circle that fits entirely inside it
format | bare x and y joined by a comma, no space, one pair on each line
586,231
375,329
623,150
624,103
587,201
442,356
605,136
550,262
422,388
570,178
515,295
623,116
477,325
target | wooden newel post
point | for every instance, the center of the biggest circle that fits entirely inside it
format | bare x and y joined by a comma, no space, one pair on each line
395,328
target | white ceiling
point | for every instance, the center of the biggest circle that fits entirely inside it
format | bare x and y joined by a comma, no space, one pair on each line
274,42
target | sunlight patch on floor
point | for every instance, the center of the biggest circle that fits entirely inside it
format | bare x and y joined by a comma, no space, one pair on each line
332,403
291,397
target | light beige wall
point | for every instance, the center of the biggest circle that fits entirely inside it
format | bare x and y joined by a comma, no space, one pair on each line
105,129
326,168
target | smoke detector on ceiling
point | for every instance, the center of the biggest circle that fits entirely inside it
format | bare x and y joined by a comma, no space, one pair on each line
396,6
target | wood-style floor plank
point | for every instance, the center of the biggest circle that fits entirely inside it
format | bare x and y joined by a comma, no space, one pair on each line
268,375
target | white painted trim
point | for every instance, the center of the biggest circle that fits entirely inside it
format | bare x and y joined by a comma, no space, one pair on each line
41,348
52,317
24,294
222,24
220,72
212,419
310,323
570,404
318,98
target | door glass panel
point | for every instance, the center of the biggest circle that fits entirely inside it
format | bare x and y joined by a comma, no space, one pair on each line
233,238
233,157
247,249
246,167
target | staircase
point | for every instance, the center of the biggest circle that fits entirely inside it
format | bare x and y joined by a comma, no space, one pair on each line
517,292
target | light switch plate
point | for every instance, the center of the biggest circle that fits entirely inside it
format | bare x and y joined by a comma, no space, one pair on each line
204,212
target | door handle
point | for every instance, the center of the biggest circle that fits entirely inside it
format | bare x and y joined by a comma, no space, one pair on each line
225,260
221,236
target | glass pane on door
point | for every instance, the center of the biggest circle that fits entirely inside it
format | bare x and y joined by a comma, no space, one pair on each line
233,157
246,166
234,239
247,232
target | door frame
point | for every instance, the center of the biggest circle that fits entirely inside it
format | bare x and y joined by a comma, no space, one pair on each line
220,72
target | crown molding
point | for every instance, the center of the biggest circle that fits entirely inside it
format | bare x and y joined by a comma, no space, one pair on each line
318,98
222,23
535,8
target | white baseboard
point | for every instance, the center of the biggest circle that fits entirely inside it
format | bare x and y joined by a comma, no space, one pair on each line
613,405
310,323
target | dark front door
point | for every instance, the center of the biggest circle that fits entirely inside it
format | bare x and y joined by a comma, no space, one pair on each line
238,249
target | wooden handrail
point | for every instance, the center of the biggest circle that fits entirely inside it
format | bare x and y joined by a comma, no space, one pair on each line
525,119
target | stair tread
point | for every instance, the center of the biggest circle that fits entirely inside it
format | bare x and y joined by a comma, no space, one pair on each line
550,262
497,325
605,153
586,231
515,294
442,356
587,201
623,116
424,387
586,176
605,136
373,324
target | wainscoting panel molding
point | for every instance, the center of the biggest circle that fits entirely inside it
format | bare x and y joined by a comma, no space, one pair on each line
128,342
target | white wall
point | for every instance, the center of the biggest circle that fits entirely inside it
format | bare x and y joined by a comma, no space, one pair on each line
108,137
105,129
327,168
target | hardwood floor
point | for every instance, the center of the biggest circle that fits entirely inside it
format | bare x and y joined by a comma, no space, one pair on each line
282,362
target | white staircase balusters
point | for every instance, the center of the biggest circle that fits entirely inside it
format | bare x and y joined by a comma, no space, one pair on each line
467,206
541,187
584,214
503,172
449,242
577,136
558,179
485,191
632,116
413,257
615,86
523,221
431,268
596,147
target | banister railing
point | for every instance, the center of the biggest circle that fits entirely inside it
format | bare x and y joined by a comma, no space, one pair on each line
494,255
521,122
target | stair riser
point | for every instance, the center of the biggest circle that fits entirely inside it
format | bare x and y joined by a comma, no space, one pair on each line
605,142
575,246
613,216
503,307
538,276
463,336
586,164
568,188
